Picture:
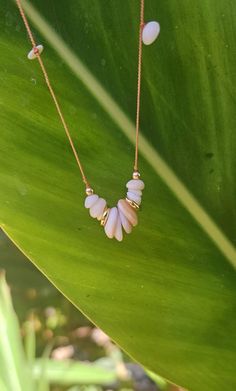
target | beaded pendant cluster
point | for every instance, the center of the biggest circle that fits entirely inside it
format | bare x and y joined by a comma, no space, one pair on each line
122,217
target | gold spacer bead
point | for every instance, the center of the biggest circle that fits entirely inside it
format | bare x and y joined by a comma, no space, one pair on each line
105,216
132,203
136,175
89,191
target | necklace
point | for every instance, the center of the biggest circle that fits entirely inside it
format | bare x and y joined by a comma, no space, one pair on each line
122,217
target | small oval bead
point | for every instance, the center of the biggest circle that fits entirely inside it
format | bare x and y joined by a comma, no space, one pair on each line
135,184
118,230
90,200
150,32
134,197
136,175
125,223
89,191
137,192
128,211
32,55
110,225
96,211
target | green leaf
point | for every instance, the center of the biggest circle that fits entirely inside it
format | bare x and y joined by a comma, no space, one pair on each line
14,372
30,340
42,378
166,294
158,380
69,372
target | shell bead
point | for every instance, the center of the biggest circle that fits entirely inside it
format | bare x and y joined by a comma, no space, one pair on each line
110,225
118,230
128,211
150,32
134,197
135,184
125,223
32,55
137,192
96,211
90,200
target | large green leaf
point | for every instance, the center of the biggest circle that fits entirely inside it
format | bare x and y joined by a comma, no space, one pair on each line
167,293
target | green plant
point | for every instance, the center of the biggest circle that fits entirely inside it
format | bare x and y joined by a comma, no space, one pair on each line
172,284
21,371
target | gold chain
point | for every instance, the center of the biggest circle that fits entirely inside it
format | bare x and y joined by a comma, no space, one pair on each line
141,24
63,121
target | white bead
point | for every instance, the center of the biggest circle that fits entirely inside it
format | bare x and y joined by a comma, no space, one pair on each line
90,200
137,192
118,230
32,55
135,184
134,197
128,211
110,225
125,223
96,211
150,32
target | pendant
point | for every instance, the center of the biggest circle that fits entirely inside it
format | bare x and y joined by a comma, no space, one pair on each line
122,217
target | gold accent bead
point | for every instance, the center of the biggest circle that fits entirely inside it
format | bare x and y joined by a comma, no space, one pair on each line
105,216
89,191
136,175
132,203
